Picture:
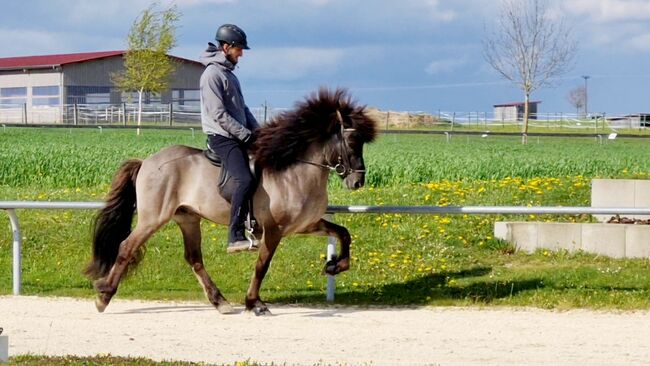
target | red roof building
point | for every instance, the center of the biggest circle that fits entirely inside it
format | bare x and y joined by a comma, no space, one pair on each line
36,83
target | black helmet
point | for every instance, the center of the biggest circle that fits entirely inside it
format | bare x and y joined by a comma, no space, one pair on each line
233,35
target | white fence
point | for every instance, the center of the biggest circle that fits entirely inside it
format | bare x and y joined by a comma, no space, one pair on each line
11,206
125,114
170,115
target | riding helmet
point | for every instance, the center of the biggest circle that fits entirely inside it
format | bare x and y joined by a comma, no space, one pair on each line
233,35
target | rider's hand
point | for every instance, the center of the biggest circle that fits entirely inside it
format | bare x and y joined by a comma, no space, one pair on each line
250,140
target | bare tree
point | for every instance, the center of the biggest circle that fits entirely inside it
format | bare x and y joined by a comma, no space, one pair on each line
529,47
577,97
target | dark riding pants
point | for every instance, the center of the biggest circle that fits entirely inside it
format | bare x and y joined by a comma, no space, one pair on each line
235,159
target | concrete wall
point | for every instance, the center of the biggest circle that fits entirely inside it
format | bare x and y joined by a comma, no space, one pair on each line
620,193
612,240
30,79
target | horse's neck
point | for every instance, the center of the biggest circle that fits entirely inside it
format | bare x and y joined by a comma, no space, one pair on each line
302,178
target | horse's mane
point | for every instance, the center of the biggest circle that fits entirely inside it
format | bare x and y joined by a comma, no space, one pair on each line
281,141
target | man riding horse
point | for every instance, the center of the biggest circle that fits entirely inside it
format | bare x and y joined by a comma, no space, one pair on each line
229,124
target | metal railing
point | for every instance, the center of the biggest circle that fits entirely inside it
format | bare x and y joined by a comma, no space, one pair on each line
11,206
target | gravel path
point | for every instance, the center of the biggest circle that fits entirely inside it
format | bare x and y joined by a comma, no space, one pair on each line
194,331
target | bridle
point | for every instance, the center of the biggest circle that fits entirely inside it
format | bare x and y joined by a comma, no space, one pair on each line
341,168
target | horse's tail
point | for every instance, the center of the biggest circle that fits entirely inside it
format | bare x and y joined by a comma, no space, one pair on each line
113,222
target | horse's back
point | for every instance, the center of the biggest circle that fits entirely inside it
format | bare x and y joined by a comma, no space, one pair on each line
178,176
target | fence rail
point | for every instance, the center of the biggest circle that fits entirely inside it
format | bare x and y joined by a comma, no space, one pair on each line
190,114
12,206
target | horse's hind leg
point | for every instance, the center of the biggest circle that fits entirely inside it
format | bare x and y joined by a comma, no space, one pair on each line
191,228
107,286
342,261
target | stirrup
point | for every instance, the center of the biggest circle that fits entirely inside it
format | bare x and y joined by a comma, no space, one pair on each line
249,224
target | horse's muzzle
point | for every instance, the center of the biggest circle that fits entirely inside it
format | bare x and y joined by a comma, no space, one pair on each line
355,180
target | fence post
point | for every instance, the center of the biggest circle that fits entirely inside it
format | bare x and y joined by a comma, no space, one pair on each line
171,113
265,110
75,114
123,113
25,112
453,120
15,228
331,254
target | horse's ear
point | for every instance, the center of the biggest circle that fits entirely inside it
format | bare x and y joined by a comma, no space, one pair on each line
339,117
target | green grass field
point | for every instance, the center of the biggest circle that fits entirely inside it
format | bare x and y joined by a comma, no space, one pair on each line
397,259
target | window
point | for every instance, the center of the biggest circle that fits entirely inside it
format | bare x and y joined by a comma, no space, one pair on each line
13,97
45,95
41,91
88,94
13,92
188,97
49,101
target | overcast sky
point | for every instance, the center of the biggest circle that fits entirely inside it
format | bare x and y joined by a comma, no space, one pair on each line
416,55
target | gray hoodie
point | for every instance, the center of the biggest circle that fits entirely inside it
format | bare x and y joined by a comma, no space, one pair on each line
223,111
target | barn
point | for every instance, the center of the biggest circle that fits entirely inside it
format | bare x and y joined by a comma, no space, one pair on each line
41,88
514,111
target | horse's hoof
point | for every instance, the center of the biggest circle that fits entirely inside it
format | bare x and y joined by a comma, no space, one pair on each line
261,311
225,308
331,268
100,305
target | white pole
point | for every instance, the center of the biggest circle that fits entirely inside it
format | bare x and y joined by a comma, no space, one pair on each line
15,227
331,280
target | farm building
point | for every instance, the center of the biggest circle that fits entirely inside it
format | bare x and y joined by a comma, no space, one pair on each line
514,111
42,87
639,120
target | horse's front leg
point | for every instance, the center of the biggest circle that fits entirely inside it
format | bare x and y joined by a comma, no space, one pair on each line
340,263
270,240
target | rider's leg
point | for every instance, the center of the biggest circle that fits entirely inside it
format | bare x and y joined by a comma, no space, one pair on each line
235,160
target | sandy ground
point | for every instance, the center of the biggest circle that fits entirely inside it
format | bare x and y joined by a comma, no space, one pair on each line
194,331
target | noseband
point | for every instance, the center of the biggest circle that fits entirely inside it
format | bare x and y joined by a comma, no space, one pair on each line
342,168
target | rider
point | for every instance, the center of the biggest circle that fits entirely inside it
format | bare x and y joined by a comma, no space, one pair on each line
229,124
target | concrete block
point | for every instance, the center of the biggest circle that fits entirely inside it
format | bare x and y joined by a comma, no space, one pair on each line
612,240
4,348
524,236
502,230
605,239
637,241
642,196
612,193
556,236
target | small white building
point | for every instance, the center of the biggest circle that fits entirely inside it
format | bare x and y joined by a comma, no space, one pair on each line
514,111
38,88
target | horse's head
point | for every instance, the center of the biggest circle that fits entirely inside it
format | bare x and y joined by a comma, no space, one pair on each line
327,130
345,151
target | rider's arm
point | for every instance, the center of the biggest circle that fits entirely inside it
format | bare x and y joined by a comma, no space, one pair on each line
215,107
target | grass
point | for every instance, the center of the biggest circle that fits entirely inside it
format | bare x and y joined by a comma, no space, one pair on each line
107,360
397,259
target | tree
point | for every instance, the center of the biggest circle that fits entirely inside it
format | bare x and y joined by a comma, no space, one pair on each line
147,68
577,97
529,47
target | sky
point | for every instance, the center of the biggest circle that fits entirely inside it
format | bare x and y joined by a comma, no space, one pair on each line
400,55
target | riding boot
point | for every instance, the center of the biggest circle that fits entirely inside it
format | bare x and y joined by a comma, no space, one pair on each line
237,241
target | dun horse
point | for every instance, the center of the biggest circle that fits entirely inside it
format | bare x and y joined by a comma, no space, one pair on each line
295,152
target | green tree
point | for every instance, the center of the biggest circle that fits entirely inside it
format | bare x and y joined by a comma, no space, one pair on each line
147,67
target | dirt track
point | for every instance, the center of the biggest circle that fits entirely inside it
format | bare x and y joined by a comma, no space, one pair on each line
305,336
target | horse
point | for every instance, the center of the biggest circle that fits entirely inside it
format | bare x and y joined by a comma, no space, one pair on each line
294,153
